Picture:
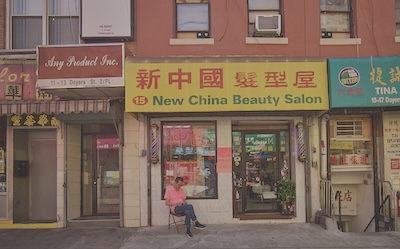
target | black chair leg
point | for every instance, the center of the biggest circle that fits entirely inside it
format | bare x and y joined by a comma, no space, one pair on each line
174,221
176,225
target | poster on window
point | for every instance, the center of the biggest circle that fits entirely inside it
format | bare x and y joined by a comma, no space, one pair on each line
189,151
391,139
391,136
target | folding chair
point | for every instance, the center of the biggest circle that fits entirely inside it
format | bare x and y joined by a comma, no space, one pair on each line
175,219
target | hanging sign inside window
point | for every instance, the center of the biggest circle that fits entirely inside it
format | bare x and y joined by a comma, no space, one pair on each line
107,143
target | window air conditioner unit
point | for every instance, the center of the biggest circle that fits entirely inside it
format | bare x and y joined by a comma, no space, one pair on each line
268,24
348,128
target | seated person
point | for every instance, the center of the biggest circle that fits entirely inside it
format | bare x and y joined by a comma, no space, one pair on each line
175,198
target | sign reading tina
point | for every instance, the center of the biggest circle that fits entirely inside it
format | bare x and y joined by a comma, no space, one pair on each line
34,120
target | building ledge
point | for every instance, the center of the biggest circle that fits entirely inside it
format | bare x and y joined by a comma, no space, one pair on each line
267,40
334,41
200,41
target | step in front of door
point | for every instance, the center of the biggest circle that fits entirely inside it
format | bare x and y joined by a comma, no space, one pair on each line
94,223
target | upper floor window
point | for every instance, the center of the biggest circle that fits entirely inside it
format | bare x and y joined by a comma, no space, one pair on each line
336,19
42,22
397,17
192,19
264,18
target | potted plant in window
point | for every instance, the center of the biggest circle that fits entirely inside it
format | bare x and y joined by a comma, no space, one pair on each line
286,193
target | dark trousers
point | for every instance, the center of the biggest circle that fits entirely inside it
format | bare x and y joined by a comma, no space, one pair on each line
188,211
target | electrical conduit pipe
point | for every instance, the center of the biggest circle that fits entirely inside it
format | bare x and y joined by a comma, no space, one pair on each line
324,156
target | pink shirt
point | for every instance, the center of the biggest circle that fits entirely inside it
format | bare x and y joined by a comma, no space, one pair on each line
175,196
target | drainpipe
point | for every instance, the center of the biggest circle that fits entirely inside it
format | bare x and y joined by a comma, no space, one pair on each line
64,135
324,156
146,128
121,168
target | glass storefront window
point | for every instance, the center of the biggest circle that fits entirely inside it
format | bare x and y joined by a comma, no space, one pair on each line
351,143
189,151
350,152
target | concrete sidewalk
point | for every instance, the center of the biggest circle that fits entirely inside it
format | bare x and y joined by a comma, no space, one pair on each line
304,235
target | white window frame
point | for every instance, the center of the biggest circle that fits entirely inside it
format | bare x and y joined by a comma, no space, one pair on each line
188,37
193,34
253,39
397,16
255,11
45,25
334,33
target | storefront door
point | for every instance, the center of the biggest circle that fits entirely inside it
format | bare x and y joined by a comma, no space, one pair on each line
107,182
100,176
259,161
35,175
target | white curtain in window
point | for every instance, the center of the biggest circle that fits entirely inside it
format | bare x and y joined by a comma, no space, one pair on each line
64,8
27,32
192,17
63,30
27,23
63,22
28,7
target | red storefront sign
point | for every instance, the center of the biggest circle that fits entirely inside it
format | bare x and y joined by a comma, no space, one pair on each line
18,81
80,66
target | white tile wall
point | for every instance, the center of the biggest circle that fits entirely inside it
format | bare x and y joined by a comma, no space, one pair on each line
131,172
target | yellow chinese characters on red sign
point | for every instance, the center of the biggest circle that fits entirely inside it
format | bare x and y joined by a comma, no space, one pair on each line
34,120
172,86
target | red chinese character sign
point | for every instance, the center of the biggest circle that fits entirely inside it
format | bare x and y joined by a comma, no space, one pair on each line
176,85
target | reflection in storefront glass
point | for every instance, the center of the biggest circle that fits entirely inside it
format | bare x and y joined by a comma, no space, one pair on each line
189,151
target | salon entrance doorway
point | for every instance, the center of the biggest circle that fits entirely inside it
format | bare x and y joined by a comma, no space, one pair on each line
260,159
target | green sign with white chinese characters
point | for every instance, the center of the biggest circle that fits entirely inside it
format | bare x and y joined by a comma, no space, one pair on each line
364,82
